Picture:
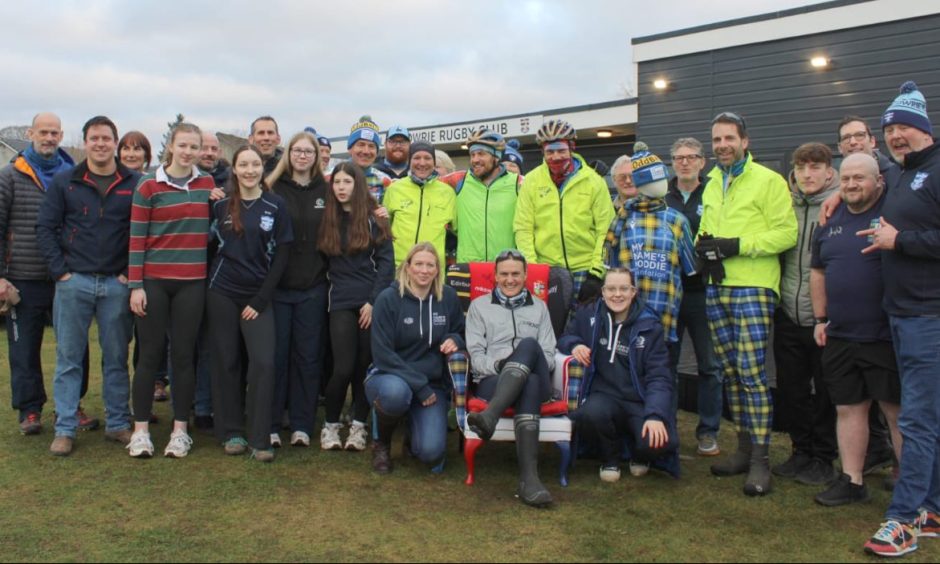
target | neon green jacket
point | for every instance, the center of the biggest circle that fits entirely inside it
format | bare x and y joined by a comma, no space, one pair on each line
564,227
758,209
484,215
419,213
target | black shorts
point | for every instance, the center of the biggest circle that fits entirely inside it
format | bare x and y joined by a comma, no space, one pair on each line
855,372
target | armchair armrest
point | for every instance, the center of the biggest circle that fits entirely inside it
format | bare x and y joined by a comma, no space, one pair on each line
458,364
568,378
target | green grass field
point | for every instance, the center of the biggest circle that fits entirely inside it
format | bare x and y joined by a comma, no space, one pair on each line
101,505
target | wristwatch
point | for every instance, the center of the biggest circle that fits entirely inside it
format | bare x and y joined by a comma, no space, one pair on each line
822,320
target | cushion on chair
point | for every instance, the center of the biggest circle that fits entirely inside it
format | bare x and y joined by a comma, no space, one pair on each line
549,409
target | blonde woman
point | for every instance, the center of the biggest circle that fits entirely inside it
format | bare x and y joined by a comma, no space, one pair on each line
416,323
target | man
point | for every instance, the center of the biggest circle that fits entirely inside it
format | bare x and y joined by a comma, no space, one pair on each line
326,151
397,149
83,232
747,222
908,238
363,145
211,161
486,200
810,417
859,364
622,174
563,210
23,271
685,196
512,158
264,135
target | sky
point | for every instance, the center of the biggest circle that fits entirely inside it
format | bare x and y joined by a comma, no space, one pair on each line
324,64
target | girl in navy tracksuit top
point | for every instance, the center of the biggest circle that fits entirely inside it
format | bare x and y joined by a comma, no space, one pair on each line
416,323
361,262
254,234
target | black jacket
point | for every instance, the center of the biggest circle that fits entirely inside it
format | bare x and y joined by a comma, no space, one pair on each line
359,278
78,230
692,210
306,266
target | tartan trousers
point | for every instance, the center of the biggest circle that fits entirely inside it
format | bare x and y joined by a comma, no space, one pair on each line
740,320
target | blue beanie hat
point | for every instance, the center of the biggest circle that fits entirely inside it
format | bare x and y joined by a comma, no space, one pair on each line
321,139
647,167
512,154
910,108
365,129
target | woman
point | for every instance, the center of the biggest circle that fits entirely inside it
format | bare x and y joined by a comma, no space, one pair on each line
420,206
301,297
134,151
416,323
512,354
628,385
166,274
253,230
358,248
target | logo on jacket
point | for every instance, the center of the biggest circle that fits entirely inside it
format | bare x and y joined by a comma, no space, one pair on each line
918,181
640,342
267,222
700,210
603,340
408,320
320,203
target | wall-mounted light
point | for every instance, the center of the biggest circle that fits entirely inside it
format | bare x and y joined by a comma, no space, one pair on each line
464,147
819,62
660,84
605,133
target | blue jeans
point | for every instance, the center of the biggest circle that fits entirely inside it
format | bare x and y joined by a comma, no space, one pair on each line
78,301
692,316
917,343
428,424
25,325
301,331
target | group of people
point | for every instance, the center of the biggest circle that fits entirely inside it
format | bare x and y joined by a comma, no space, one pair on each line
290,278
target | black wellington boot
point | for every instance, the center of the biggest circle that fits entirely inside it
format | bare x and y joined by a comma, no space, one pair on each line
508,387
531,490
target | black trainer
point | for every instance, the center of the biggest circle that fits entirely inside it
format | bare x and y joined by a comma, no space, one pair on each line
817,473
792,466
843,492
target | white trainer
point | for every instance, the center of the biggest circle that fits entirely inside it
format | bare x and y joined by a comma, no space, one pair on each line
179,445
357,437
140,445
299,439
329,436
275,440
610,474
638,469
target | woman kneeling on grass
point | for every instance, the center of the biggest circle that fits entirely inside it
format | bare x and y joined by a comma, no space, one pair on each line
416,323
253,231
359,252
628,384
512,353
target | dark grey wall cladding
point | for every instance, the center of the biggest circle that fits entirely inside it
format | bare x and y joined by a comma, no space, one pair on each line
784,100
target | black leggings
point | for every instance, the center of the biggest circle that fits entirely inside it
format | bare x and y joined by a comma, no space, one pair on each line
538,386
177,305
226,332
352,354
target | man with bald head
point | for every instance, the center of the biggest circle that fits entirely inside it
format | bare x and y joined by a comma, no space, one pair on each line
24,273
211,161
859,365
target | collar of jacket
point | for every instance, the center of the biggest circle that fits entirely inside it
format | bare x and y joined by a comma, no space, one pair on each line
644,204
674,185
802,200
524,298
917,158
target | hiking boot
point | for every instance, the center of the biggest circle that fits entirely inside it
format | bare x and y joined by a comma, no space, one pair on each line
159,391
928,524
792,466
737,463
236,446
61,446
122,436
140,445
86,422
758,477
843,492
263,454
708,446
875,461
817,473
638,469
31,424
329,437
203,423
610,474
892,539
299,439
275,440
511,381
381,458
531,491
179,445
357,437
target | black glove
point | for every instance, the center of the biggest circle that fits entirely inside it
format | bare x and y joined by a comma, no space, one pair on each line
717,248
713,272
590,289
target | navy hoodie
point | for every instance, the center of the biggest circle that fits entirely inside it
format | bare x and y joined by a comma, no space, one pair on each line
358,279
649,360
407,334
78,230
912,271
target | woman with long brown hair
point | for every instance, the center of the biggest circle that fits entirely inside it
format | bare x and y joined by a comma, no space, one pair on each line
358,249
